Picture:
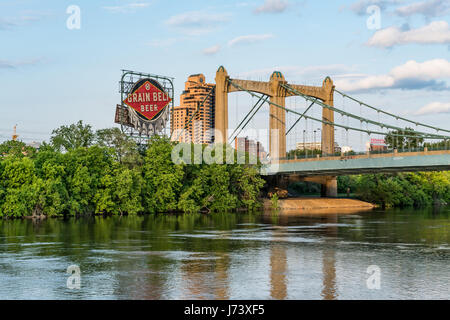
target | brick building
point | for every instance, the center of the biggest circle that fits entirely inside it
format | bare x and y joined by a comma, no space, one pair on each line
253,148
199,130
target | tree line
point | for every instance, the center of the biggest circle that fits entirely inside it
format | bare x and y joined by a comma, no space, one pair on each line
412,189
82,172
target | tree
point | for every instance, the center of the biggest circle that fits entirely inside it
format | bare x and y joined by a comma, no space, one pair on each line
53,196
209,190
128,191
246,182
396,140
162,178
72,137
125,149
20,188
443,144
16,148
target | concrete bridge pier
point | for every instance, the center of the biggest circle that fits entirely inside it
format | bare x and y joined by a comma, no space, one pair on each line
328,183
329,188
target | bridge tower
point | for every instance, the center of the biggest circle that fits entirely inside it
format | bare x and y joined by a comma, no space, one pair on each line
221,103
328,115
277,116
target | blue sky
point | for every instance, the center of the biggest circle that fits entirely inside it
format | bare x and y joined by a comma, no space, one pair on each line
51,75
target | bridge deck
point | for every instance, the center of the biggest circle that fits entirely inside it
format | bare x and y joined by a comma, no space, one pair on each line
369,163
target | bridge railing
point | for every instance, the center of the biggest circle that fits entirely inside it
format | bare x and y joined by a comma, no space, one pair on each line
317,155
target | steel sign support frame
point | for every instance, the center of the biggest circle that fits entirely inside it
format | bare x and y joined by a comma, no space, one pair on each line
127,81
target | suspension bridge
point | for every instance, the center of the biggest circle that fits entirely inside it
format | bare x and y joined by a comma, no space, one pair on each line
424,148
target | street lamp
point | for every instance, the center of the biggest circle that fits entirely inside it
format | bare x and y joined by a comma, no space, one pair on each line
304,144
314,141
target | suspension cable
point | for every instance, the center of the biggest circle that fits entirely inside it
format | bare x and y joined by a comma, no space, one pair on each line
428,136
390,114
342,112
245,118
243,127
295,123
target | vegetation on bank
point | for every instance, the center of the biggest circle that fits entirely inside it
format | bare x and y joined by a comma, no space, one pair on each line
82,172
418,189
415,189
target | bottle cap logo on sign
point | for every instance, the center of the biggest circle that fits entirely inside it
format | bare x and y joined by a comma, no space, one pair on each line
148,99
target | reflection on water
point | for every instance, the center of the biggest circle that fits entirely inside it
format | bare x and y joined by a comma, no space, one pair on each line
229,256
329,260
278,266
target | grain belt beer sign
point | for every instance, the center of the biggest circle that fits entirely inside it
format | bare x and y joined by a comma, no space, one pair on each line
148,99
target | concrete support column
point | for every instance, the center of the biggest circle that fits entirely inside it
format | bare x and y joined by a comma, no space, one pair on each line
329,187
277,116
221,106
328,115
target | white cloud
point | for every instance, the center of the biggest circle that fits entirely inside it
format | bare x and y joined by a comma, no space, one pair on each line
429,8
428,70
127,7
411,75
211,50
197,22
272,6
293,73
434,108
249,39
437,32
9,64
360,7
26,17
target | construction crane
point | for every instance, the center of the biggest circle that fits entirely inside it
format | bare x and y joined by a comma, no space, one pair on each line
15,135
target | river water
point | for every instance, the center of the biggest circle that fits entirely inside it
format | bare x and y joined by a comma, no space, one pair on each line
398,254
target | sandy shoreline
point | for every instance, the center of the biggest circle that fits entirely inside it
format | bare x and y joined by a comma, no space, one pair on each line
322,205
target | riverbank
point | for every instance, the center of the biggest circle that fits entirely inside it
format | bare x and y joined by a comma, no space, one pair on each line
319,204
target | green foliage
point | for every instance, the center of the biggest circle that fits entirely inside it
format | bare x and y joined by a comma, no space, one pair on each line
124,148
303,153
20,188
305,188
439,145
346,182
70,176
16,149
247,183
401,190
395,140
72,137
220,187
163,178
274,201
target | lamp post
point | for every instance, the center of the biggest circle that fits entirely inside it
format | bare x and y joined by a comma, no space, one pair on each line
304,144
314,146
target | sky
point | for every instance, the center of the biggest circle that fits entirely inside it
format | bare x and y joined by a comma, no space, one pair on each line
58,66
